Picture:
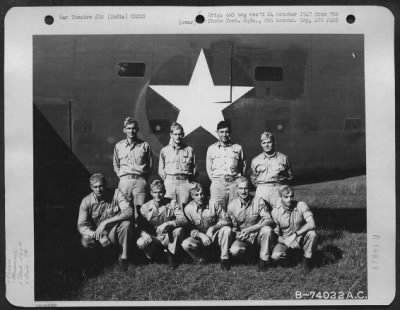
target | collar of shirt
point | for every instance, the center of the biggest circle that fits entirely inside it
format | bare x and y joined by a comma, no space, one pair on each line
155,205
287,209
176,147
96,199
269,156
201,207
129,144
244,203
222,145
161,208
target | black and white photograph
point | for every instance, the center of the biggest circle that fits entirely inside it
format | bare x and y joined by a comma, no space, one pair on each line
200,166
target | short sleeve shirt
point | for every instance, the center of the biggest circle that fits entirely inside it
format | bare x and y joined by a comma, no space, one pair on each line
271,169
204,217
246,214
159,215
99,210
133,158
290,220
225,160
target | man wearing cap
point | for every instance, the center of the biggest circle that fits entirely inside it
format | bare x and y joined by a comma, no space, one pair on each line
225,163
177,166
105,219
132,163
208,225
295,227
251,224
269,170
159,232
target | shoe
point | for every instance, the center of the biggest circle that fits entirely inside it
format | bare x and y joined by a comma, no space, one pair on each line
225,264
123,264
284,262
307,264
262,265
172,263
199,261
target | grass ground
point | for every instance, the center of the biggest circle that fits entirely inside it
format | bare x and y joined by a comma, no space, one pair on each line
341,261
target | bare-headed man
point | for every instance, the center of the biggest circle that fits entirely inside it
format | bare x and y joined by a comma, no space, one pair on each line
161,235
105,219
225,164
269,170
177,166
132,163
295,227
252,225
209,230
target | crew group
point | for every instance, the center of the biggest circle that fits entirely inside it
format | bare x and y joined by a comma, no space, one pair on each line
231,222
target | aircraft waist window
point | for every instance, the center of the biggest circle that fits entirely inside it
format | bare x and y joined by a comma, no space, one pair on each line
131,69
268,73
352,124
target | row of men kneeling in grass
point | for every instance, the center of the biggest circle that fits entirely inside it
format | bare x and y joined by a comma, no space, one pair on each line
201,229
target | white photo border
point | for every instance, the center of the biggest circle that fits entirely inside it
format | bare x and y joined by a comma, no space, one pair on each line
22,23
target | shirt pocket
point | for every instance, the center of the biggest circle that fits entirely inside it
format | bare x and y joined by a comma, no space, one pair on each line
140,156
281,167
123,156
216,161
233,159
186,160
261,169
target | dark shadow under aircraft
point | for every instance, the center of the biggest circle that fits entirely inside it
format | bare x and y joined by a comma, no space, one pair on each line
307,89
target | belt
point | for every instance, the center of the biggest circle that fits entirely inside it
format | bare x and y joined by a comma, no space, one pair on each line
227,178
270,184
181,177
132,176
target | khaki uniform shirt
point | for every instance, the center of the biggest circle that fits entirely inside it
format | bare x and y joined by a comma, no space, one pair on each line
225,160
92,211
271,169
288,221
200,218
133,158
247,214
177,160
159,215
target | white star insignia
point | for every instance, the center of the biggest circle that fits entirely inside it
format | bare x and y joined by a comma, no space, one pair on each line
200,103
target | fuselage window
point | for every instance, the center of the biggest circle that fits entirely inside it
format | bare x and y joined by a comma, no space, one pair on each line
131,69
268,73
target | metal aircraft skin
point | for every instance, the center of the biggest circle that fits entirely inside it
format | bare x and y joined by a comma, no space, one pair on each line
306,88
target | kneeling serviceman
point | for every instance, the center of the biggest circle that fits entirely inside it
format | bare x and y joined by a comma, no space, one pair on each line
208,224
161,233
252,225
105,219
295,227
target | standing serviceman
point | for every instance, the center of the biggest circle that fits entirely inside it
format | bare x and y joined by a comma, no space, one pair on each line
177,166
269,170
132,163
225,164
